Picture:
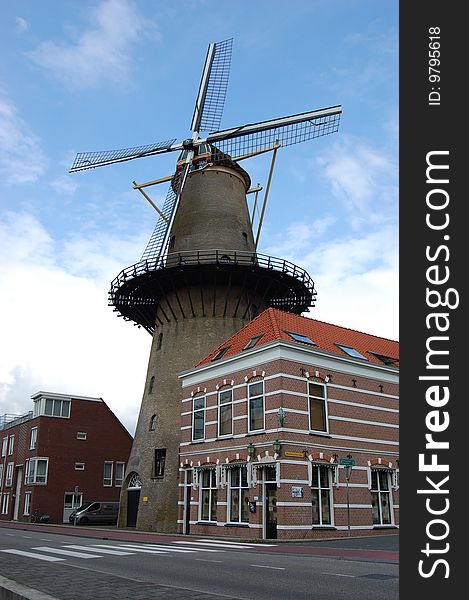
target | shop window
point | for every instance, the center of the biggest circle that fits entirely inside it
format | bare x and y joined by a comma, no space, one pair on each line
208,495
380,497
321,495
238,493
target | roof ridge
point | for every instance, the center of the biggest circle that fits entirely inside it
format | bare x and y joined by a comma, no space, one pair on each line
380,337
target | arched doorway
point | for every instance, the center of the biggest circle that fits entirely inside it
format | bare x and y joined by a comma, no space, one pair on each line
133,497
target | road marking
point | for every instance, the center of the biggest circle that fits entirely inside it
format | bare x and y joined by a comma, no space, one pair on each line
208,560
32,555
214,544
27,537
10,534
339,574
101,550
229,542
133,549
66,552
269,567
157,547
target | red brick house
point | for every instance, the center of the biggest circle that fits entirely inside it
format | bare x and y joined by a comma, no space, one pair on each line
273,419
66,451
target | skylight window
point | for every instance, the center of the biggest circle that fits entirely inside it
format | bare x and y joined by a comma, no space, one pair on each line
299,337
387,360
221,352
252,342
350,351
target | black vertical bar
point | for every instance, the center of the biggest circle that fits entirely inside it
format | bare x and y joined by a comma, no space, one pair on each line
433,251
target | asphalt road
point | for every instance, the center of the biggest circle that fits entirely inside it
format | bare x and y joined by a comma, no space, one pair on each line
189,567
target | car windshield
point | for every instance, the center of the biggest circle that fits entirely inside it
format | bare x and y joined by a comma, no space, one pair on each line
83,506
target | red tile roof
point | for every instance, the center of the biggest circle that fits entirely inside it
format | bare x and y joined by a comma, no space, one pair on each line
274,324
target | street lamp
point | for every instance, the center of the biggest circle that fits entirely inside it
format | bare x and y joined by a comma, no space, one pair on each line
251,450
277,446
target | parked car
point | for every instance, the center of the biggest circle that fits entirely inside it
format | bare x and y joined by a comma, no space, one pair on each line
95,512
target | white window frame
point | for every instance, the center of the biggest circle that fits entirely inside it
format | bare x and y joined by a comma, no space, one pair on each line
33,439
198,410
380,492
79,466
1,476
240,489
330,480
40,407
119,480
81,435
324,399
31,471
27,504
251,383
9,474
212,494
223,406
4,446
107,480
5,503
11,444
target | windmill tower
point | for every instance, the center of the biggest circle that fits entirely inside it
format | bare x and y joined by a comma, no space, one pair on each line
200,278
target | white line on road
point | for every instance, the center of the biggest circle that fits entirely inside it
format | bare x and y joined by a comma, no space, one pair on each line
268,567
33,555
208,560
133,549
101,550
157,547
229,542
339,574
66,552
215,544
27,537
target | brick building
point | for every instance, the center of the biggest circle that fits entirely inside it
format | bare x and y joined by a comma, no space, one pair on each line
269,421
66,451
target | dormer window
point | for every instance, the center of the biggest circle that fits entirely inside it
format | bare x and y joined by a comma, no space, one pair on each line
52,407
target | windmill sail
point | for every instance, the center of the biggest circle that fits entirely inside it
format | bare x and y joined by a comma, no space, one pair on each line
157,246
286,130
89,160
213,85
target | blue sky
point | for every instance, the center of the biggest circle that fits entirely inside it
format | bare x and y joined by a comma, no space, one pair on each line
103,74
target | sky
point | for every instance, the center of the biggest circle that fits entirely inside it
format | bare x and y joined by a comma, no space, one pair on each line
102,74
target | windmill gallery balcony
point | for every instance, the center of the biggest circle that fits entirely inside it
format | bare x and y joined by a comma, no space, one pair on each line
208,282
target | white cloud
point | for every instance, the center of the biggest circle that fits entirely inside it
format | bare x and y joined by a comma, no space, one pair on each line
364,179
58,334
21,24
101,52
21,157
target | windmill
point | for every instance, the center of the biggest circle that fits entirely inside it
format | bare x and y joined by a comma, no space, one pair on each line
200,278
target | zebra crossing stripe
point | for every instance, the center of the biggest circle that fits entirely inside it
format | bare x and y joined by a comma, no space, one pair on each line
232,543
32,555
66,552
158,547
133,549
214,544
101,550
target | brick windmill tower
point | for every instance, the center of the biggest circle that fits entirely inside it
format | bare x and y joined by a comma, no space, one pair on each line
200,278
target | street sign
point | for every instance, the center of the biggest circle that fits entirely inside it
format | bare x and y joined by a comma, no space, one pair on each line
347,461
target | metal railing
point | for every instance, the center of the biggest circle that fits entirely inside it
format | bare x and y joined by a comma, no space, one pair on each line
212,257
